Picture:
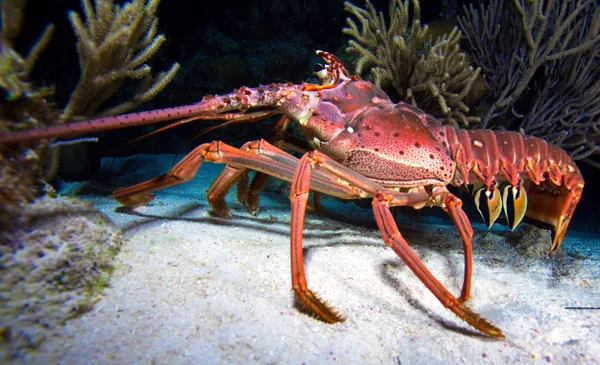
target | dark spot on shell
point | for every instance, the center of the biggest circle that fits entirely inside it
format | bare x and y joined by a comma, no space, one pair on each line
442,168
445,144
376,149
395,134
438,149
359,134
442,134
417,144
401,152
431,156
376,134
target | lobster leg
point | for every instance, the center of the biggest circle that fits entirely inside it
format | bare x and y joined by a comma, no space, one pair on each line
221,185
383,199
393,238
256,155
259,181
453,206
247,194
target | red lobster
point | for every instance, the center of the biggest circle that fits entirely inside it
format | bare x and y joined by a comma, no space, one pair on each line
365,146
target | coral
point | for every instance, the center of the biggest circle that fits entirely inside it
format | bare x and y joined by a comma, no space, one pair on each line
431,75
14,69
53,263
541,66
23,106
113,45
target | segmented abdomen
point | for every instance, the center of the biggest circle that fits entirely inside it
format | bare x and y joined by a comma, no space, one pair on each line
494,156
518,172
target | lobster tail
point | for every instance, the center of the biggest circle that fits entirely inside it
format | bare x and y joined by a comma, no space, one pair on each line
524,175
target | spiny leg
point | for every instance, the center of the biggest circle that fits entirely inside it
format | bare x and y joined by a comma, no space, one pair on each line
249,194
453,206
185,169
221,186
255,155
393,238
440,196
383,199
299,193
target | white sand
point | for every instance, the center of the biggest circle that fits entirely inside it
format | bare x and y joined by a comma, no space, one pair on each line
192,289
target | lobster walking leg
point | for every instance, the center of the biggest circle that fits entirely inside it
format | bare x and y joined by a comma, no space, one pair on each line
393,238
383,199
221,185
247,194
453,206
232,174
299,197
255,155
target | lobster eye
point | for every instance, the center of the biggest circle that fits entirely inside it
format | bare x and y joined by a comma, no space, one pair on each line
320,71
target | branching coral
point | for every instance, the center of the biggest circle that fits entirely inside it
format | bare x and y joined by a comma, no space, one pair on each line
14,69
541,60
113,45
431,75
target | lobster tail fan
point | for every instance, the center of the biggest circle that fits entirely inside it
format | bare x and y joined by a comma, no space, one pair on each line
552,205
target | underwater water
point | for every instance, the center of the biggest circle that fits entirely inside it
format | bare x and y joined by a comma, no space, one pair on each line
171,283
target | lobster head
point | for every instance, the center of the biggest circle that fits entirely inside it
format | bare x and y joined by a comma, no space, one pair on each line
324,110
354,122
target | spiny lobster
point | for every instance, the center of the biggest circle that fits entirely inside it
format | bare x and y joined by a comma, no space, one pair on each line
365,146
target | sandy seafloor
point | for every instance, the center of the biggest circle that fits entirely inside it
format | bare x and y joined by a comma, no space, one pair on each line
189,288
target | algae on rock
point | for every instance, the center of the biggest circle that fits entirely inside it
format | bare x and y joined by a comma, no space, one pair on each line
53,264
